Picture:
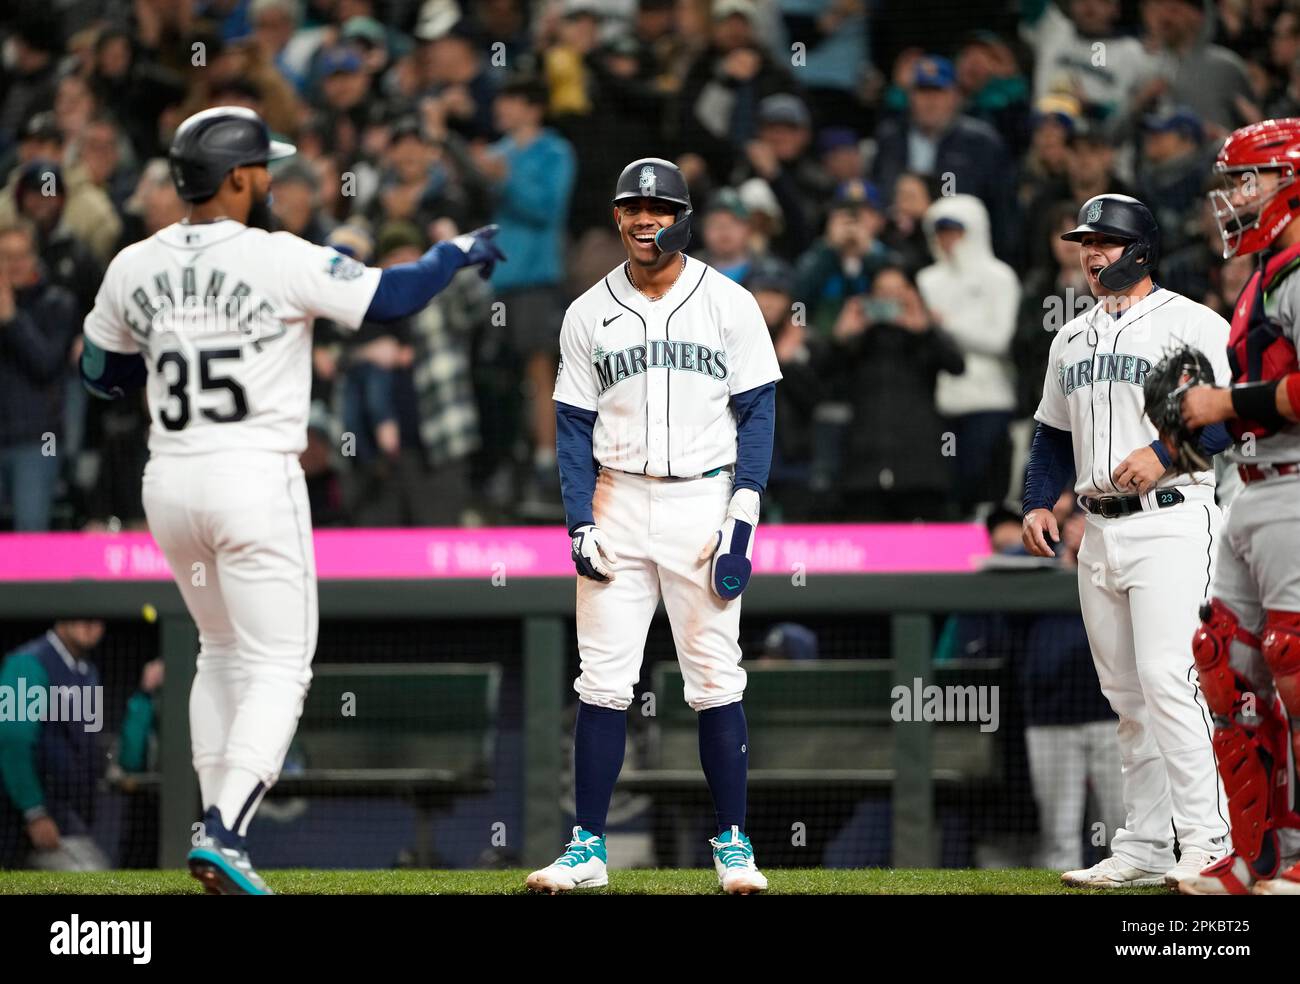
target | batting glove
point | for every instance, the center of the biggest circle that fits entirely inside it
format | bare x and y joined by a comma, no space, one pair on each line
479,248
728,550
592,555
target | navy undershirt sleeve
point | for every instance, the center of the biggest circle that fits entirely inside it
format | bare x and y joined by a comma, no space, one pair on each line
1215,438
573,451
108,375
1050,469
408,287
755,412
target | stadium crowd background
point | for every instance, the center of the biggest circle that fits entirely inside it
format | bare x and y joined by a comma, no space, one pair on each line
888,178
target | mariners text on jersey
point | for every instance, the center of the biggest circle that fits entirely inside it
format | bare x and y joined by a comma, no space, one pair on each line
660,374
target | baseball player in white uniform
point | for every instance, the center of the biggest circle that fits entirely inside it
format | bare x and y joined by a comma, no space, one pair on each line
214,316
665,403
1149,545
1247,648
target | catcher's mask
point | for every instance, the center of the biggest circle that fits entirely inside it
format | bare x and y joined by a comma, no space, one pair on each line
1121,217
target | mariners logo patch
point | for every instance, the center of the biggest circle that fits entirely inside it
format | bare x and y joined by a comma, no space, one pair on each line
345,268
648,181
1094,213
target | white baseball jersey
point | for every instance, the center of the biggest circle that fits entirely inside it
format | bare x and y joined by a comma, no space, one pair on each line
222,314
1143,576
659,374
1093,385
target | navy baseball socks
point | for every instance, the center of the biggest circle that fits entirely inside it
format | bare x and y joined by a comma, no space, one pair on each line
599,740
219,859
724,755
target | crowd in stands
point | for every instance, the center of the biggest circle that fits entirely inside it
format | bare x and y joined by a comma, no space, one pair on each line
890,183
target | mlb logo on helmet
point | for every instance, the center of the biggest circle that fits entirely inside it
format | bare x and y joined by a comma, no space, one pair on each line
648,181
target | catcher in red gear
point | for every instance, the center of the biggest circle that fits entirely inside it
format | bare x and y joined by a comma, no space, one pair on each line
1247,647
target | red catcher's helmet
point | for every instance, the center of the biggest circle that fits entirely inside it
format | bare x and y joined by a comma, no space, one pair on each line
1253,224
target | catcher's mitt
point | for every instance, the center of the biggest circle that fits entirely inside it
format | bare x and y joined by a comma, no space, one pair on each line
1163,388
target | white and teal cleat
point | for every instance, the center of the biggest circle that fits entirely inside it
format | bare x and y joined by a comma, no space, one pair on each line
220,861
733,860
582,865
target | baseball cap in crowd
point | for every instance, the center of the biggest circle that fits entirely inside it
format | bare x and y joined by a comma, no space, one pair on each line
729,8
1062,109
769,273
352,240
396,235
403,127
527,87
790,640
338,60
783,109
582,8
933,72
367,30
35,174
728,200
295,171
1179,119
836,138
758,197
42,126
857,193
436,19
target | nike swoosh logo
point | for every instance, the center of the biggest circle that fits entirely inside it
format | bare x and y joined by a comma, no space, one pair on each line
605,323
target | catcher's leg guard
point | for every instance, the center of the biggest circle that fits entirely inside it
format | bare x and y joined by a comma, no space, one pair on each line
1222,686
1281,648
1245,746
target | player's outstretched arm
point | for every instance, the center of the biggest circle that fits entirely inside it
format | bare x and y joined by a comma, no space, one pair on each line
108,375
406,288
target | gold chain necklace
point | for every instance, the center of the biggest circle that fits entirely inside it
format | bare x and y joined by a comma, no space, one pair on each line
628,267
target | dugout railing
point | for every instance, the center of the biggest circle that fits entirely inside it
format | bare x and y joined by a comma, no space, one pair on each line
908,600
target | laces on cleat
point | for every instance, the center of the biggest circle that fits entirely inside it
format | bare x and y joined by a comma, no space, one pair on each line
734,853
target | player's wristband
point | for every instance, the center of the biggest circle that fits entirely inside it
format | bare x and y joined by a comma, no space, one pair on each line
34,813
1258,402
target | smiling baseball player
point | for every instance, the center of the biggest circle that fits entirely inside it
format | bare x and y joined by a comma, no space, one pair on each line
214,316
665,402
1148,549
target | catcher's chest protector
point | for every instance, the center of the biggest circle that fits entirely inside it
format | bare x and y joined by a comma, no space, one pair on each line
1258,350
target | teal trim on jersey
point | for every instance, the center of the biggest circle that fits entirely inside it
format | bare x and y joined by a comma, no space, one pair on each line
584,846
215,858
737,853
18,739
133,742
713,471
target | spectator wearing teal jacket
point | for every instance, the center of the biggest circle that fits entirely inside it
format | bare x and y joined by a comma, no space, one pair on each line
531,170
49,756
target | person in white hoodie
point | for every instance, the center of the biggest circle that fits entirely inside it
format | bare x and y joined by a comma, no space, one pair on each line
974,297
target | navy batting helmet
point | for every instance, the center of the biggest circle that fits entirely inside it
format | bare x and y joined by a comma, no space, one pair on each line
210,144
1121,217
653,177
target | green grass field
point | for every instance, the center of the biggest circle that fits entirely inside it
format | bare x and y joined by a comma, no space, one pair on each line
793,881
